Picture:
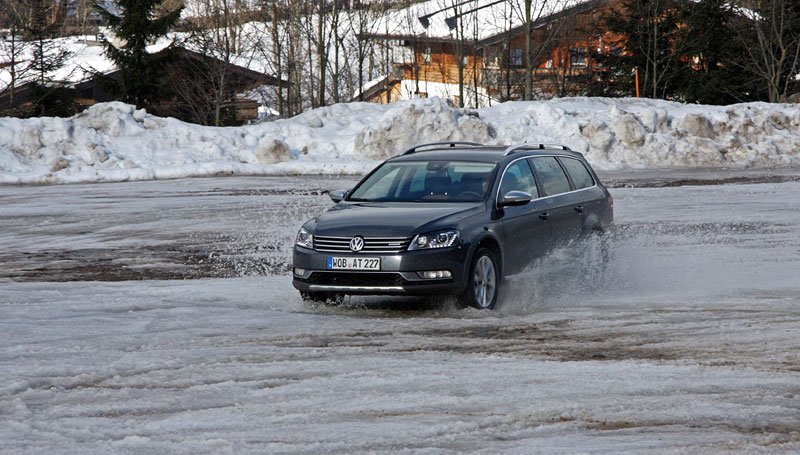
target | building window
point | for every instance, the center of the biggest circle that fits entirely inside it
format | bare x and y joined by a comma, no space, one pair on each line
578,57
426,57
465,60
515,57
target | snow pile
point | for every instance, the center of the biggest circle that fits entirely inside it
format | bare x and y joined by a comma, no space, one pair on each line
116,142
642,133
406,124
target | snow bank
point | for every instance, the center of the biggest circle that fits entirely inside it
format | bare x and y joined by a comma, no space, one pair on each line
637,133
116,142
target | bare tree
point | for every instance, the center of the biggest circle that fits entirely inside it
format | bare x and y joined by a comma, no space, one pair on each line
650,32
203,84
218,37
362,20
498,76
81,13
771,32
337,45
47,57
278,39
513,73
295,58
460,49
274,40
14,49
528,59
546,38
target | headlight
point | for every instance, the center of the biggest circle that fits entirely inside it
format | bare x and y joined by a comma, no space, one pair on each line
442,239
304,239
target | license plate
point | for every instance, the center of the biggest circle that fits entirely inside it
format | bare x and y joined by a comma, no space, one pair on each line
354,263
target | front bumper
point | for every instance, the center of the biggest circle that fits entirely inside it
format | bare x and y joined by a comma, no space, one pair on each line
398,274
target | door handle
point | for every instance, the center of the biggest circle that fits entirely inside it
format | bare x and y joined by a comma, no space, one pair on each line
544,216
579,209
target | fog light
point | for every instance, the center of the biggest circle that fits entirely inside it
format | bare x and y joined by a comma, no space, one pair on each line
299,272
435,274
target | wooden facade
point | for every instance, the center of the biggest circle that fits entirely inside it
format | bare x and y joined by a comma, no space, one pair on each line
186,92
383,91
187,65
561,53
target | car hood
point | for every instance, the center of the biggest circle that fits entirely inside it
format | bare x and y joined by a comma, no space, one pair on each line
392,219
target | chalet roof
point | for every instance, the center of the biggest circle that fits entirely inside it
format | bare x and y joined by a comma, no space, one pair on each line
22,94
580,8
87,58
247,79
376,86
485,21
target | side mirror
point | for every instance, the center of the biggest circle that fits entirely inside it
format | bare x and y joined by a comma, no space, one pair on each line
513,198
337,195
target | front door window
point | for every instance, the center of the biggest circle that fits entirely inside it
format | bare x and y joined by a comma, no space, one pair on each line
518,177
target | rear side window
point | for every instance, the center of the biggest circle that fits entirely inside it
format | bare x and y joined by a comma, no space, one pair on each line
553,179
578,172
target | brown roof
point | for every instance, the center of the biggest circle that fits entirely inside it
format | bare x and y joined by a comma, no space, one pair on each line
488,41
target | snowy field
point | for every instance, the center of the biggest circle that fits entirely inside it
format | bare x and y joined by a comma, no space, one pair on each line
158,317
116,142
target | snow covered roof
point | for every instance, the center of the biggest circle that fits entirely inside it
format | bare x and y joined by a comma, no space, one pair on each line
86,57
480,19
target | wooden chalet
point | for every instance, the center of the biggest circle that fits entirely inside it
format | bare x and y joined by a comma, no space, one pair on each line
185,91
493,67
189,77
383,90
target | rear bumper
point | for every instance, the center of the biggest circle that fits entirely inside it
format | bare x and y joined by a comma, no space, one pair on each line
398,274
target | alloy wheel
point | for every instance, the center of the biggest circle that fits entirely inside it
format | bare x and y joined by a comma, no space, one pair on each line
484,282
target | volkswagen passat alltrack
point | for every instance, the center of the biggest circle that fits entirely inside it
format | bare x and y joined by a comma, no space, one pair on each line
449,218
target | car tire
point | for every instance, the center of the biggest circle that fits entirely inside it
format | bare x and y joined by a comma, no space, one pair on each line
483,281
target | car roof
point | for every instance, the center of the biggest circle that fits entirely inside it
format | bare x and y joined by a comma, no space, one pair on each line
481,153
453,154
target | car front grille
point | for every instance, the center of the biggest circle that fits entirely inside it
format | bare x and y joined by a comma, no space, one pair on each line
356,279
372,245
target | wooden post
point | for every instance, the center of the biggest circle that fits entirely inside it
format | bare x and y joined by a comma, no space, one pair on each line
636,75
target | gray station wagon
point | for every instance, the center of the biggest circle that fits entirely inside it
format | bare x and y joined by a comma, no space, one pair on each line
449,218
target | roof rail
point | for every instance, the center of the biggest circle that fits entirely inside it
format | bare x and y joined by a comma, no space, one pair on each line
417,148
520,147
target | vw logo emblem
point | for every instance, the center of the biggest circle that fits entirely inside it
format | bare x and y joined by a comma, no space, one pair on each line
357,244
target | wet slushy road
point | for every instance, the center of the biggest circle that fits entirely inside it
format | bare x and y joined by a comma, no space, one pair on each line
146,317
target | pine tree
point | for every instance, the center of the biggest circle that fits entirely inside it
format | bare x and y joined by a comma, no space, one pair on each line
139,71
48,56
14,49
650,44
714,54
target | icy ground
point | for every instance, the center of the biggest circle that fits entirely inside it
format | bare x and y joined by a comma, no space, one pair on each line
690,343
116,142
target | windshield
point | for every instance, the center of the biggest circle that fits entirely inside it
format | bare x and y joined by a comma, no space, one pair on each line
426,181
